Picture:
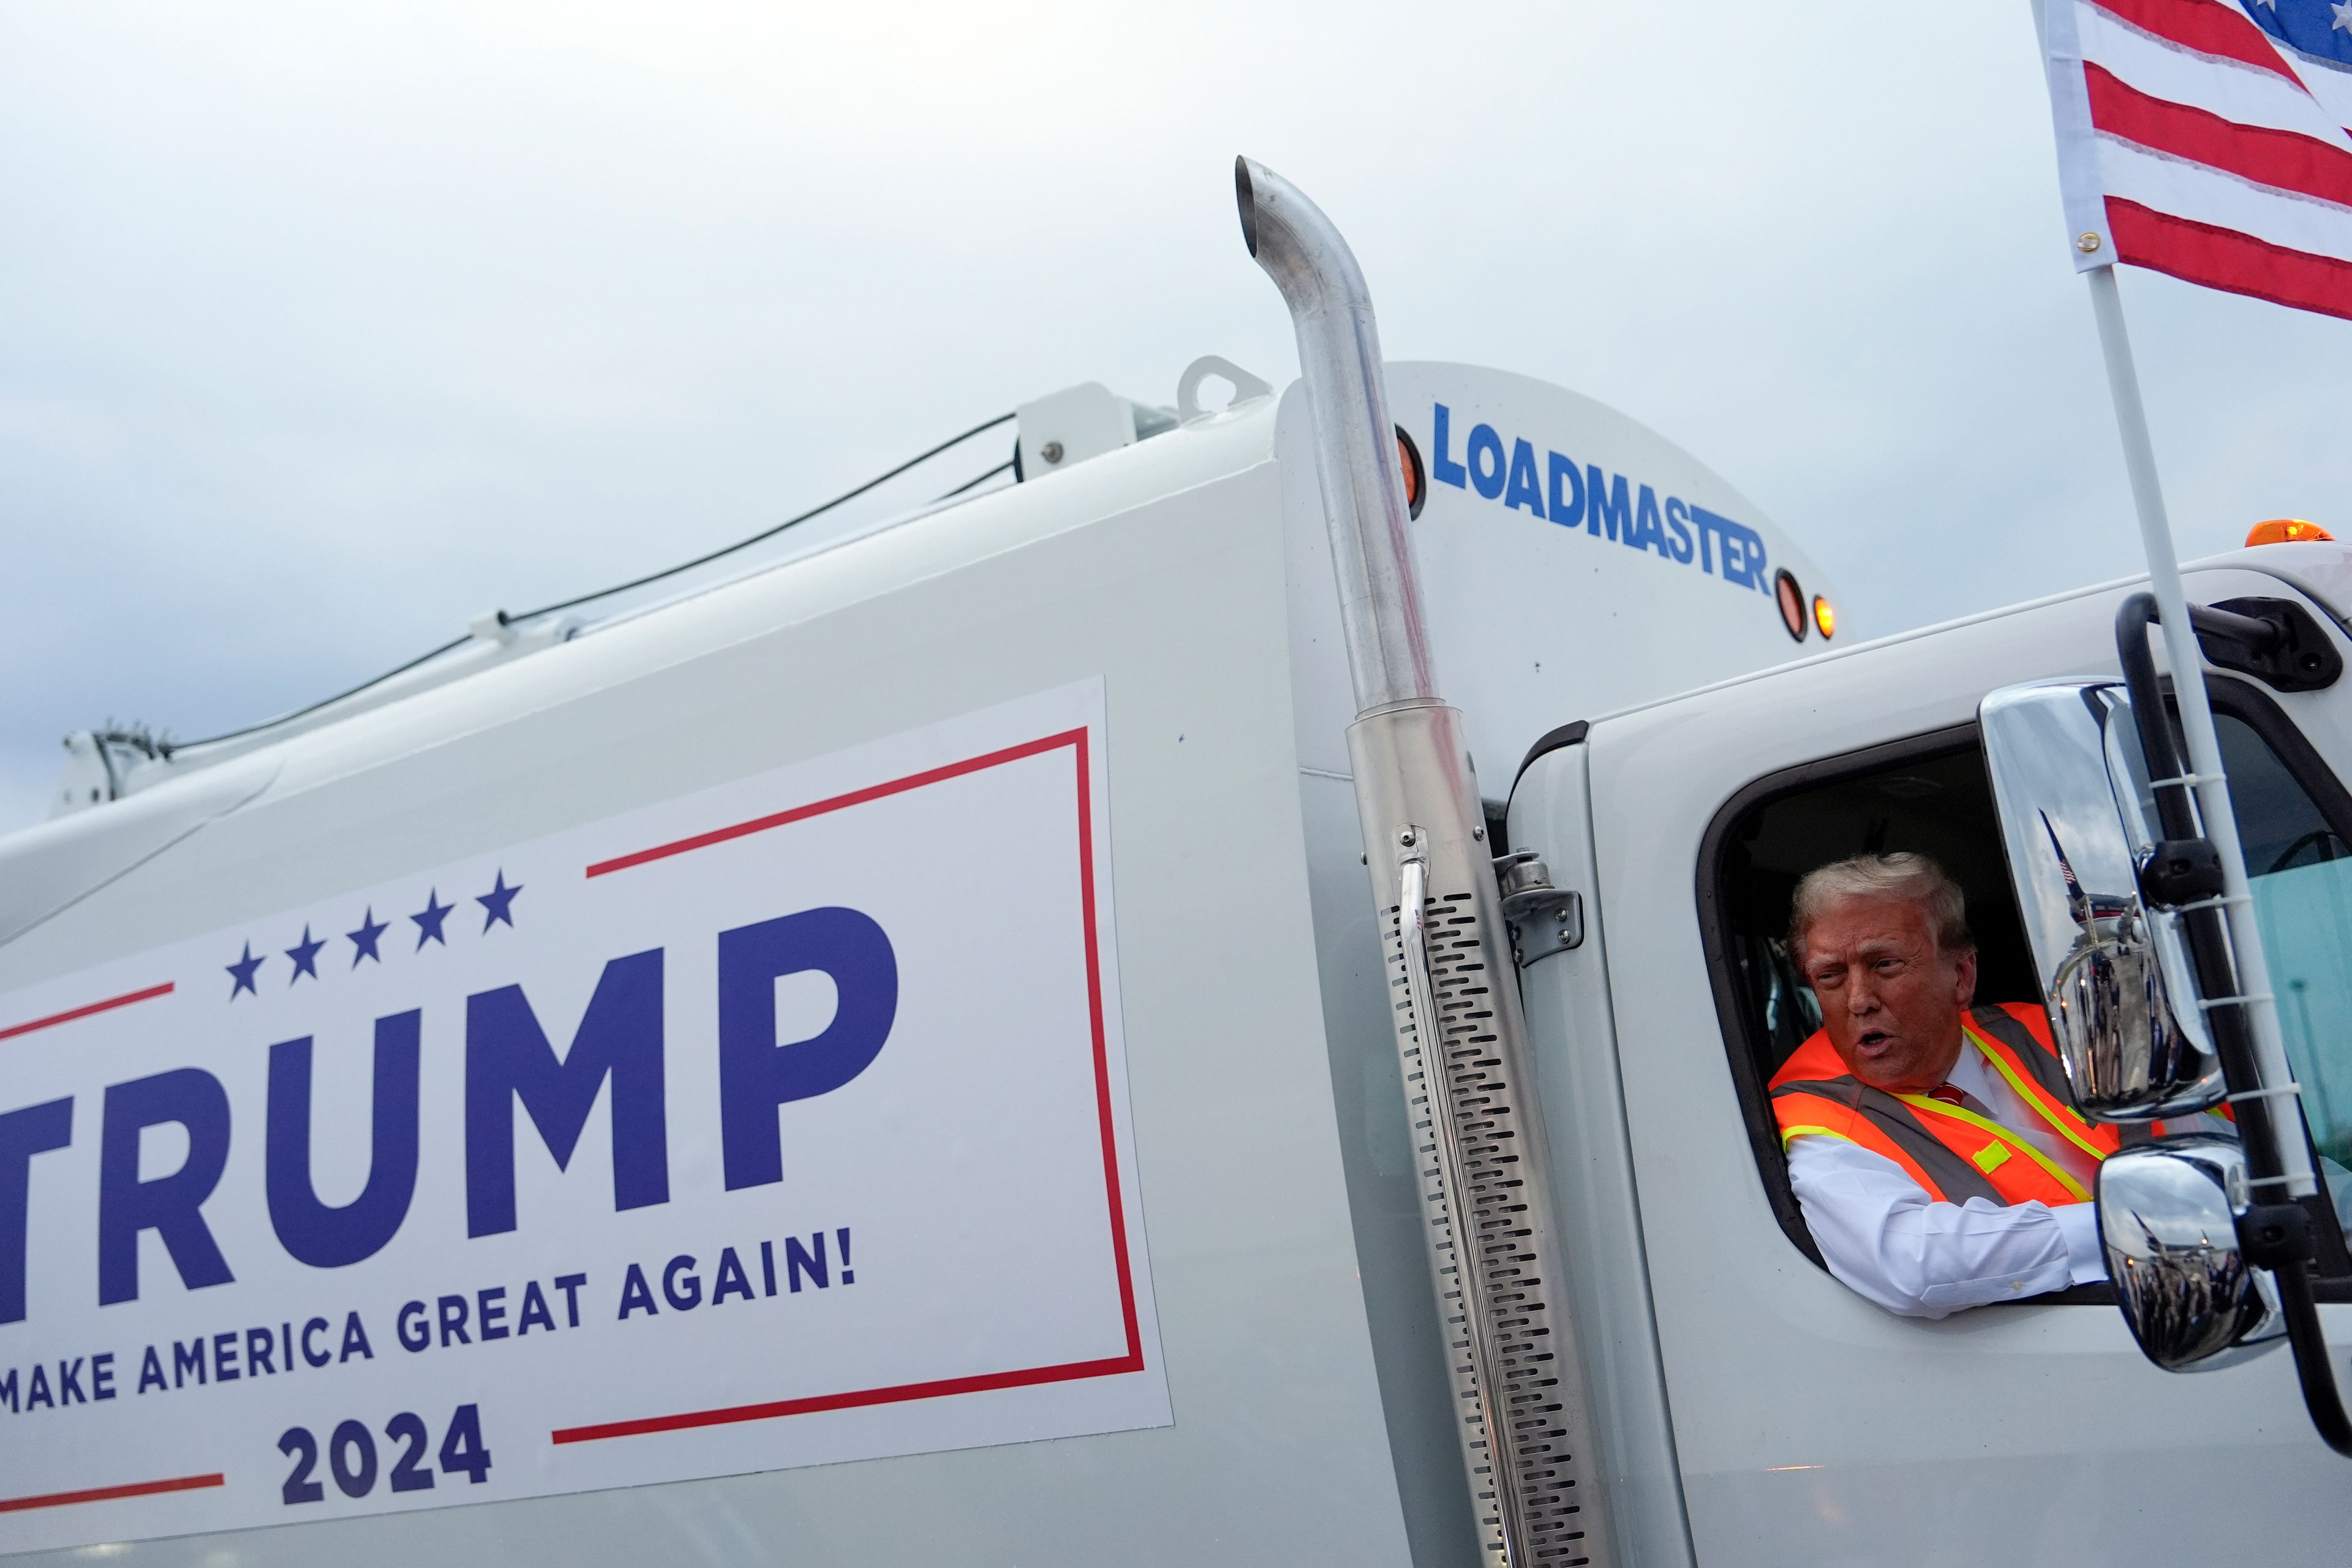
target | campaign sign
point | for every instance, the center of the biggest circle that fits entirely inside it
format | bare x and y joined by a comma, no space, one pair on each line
780,1124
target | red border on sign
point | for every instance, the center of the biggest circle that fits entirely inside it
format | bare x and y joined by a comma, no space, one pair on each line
109,1494
70,1014
1076,740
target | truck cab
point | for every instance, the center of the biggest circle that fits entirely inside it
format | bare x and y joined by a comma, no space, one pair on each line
1801,1423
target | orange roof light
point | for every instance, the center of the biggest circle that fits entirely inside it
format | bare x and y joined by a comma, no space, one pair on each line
2288,530
1824,618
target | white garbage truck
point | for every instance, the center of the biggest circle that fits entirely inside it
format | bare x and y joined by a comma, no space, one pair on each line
1215,1005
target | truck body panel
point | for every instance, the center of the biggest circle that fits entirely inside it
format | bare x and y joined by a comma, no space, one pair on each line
1262,1327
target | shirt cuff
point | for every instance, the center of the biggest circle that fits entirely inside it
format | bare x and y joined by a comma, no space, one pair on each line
2086,1259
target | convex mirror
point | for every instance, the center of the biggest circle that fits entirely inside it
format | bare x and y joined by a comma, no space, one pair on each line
2076,822
2168,1218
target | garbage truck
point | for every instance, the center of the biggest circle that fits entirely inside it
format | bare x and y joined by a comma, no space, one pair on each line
1213,1005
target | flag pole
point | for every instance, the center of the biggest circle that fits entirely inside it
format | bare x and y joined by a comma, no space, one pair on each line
2212,787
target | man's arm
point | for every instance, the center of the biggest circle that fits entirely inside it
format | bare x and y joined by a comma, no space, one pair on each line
1882,1234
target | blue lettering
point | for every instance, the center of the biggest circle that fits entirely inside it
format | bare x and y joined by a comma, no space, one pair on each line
1743,549
636,1296
451,1309
355,1339
1567,504
534,1310
225,1357
151,1372
1605,505
798,1262
413,1327
757,1073
1526,488
1443,468
570,1285
260,1352
101,1375
490,1312
312,1232
1486,476
9,1391
1710,528
508,1057
1610,507
319,1356
1678,519
186,1359
172,1205
37,1393
70,1382
681,1300
731,1280
1647,529
34,1129
1760,572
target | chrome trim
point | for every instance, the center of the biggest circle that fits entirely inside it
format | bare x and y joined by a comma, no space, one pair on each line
1412,918
2064,773
1355,448
2167,1220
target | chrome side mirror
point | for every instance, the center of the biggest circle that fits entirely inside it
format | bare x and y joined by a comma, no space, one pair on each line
2168,1218
2066,777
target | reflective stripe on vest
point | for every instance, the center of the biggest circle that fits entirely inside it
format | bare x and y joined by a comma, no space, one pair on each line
2019,1053
1954,1154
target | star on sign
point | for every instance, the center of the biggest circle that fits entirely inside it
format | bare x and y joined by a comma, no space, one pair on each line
364,939
499,901
243,971
305,954
2343,22
428,924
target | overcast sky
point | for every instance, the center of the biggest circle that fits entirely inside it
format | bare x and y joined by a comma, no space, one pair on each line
322,331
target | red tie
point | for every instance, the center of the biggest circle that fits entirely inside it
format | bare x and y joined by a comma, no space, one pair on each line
1948,1093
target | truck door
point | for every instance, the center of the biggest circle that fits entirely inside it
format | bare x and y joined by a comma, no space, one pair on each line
1804,1424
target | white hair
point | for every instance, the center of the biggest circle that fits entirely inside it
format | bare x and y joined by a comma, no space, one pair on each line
1912,879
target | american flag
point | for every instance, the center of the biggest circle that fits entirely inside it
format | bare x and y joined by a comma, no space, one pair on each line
2207,139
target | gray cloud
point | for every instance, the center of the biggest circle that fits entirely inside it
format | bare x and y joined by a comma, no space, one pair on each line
320,333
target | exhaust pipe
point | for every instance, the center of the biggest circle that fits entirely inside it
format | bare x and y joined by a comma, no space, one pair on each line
1461,1037
1355,440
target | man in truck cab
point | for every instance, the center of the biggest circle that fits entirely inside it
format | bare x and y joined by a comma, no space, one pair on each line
1933,1144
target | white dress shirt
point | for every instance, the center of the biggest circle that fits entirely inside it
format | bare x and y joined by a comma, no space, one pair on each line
1882,1234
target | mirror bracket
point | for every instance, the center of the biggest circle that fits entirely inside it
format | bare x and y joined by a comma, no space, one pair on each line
2275,1235
2178,872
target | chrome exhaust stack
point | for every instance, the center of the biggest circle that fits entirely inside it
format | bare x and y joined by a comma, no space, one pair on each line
1461,1037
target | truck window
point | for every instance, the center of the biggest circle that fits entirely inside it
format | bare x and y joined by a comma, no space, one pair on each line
1930,795
2299,859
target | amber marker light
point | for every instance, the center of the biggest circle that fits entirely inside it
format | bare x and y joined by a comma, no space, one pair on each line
1824,618
2288,530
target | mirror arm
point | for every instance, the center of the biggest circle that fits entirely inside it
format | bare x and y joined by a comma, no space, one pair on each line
2175,807
2259,1127
2251,632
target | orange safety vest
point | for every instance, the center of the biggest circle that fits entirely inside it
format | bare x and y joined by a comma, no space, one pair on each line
1954,1154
